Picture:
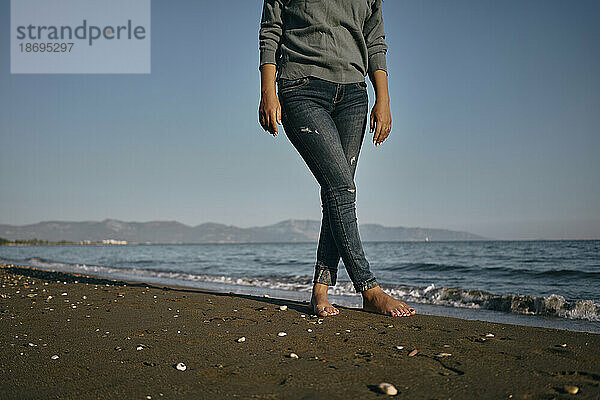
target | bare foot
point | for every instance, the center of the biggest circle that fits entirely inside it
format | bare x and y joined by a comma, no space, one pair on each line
319,303
375,299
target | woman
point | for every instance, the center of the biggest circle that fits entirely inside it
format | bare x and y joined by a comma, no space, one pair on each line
319,52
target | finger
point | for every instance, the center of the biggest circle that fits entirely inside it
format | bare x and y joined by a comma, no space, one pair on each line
279,115
376,136
273,124
261,119
372,123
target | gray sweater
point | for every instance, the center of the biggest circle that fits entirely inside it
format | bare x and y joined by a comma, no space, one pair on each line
336,40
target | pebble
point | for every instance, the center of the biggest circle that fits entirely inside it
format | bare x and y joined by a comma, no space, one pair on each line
571,389
281,334
54,357
242,339
181,366
293,355
412,353
387,388
283,308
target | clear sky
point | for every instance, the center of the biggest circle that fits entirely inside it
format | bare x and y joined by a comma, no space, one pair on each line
495,108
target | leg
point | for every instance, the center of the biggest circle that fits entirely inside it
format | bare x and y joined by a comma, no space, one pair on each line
350,117
352,133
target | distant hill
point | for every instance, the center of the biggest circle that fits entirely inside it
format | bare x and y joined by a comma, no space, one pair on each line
291,230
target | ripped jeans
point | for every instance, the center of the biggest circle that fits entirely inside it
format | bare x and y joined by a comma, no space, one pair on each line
326,123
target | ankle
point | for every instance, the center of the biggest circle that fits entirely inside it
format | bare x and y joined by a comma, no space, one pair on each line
320,288
370,294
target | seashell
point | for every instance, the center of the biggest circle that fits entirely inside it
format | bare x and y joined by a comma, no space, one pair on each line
283,308
140,347
412,353
293,355
309,330
64,294
443,355
54,357
266,295
399,347
303,315
242,339
387,388
489,335
281,334
563,345
571,389
181,366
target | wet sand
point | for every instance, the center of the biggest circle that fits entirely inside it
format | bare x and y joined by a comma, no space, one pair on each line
117,339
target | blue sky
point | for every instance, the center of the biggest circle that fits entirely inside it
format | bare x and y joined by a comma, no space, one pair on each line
495,126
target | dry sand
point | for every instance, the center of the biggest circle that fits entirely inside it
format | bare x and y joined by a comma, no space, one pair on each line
96,326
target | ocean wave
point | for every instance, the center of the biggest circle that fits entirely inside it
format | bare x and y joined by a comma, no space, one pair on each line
552,305
498,270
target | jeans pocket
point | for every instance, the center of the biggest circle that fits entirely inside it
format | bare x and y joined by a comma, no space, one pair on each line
362,85
286,85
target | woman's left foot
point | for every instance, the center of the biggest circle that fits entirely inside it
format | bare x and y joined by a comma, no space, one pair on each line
319,303
376,300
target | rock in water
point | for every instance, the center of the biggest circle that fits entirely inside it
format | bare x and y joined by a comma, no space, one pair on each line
387,388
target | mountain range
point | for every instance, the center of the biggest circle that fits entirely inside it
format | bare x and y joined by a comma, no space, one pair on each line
172,232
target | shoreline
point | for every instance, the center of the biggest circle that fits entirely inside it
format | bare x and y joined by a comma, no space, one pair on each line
97,327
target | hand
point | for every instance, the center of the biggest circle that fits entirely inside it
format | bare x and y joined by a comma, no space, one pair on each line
269,111
381,121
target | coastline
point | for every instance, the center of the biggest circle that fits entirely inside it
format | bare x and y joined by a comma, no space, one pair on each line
97,327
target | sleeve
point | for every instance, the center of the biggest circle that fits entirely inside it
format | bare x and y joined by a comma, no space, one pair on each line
375,38
271,28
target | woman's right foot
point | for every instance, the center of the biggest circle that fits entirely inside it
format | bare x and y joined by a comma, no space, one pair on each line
375,299
319,303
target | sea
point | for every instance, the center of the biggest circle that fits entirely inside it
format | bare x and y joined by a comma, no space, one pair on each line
553,284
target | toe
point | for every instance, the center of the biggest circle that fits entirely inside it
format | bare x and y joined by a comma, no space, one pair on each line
322,312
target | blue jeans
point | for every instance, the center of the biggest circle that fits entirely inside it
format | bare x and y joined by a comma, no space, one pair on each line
326,123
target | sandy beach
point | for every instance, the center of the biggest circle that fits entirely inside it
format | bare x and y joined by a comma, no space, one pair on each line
72,336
